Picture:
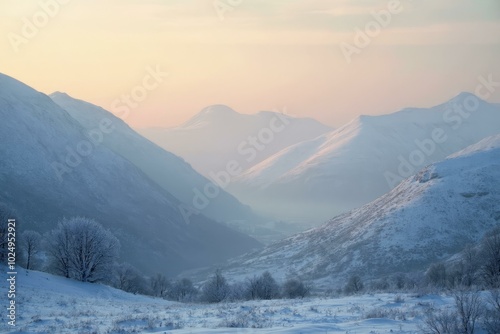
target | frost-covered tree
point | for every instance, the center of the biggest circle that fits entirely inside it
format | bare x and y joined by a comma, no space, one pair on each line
82,249
267,287
492,316
183,290
238,291
252,288
160,285
294,288
216,289
354,285
469,309
129,279
30,244
462,320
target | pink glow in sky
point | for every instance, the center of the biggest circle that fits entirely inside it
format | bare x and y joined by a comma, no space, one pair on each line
262,55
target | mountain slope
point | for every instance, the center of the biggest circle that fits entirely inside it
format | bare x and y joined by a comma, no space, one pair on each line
166,169
427,217
52,168
218,134
364,159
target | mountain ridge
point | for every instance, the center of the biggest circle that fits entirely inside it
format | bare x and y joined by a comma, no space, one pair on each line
218,134
363,155
158,164
426,218
36,134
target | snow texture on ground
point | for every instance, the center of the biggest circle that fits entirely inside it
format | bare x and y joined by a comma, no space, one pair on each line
51,304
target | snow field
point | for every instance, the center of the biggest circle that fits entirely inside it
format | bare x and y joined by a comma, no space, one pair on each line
52,304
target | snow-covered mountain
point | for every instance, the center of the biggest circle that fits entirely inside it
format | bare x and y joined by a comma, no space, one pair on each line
364,159
166,169
427,217
218,135
52,167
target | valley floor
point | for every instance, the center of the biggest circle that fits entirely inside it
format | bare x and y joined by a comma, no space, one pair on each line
51,304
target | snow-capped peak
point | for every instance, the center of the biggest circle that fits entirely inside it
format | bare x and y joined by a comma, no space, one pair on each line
367,153
213,114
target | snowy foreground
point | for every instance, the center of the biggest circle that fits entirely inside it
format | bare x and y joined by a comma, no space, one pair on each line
51,304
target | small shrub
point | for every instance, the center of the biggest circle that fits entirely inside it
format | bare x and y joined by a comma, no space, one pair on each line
354,285
293,288
440,322
399,299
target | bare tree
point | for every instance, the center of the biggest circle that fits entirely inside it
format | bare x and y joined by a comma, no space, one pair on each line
216,289
469,309
252,287
492,317
462,320
440,322
160,285
294,288
30,242
82,249
267,288
129,279
183,290
239,291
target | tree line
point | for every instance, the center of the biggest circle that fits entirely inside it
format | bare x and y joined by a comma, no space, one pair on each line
82,249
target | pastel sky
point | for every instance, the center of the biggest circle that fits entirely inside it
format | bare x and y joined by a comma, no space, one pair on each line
259,55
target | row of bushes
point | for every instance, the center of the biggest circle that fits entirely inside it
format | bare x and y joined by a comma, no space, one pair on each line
477,265
263,287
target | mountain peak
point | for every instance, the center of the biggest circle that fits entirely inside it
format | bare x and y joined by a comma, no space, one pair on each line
212,114
59,94
217,110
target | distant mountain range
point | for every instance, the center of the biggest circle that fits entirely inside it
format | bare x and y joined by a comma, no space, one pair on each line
71,158
427,217
354,164
64,157
218,135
